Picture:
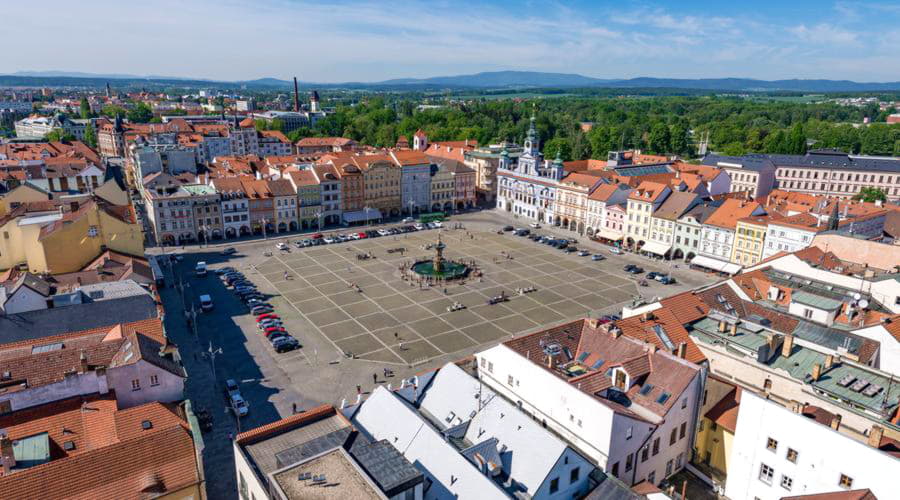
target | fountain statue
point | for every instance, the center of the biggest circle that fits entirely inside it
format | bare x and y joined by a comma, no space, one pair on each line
438,267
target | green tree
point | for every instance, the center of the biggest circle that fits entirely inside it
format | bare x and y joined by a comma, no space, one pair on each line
141,113
660,139
870,194
58,135
111,110
681,141
560,146
85,108
796,140
90,137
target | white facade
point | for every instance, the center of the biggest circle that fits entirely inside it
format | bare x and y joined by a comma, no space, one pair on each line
614,441
415,184
778,453
784,238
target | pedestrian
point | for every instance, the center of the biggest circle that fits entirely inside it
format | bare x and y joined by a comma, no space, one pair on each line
285,275
374,378
396,336
293,408
358,389
230,436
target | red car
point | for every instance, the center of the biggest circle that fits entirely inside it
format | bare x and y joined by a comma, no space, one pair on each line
317,236
267,316
274,329
362,236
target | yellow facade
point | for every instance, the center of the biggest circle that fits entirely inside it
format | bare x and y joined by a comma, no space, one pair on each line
382,180
748,243
71,245
21,194
713,445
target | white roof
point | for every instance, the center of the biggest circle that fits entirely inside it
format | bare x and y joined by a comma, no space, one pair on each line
534,450
384,416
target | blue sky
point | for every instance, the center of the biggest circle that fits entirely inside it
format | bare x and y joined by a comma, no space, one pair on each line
369,40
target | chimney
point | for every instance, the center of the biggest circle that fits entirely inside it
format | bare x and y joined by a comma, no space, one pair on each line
829,361
7,457
817,372
836,421
647,316
82,363
722,326
787,346
296,96
682,350
550,361
875,436
616,332
734,329
593,322
796,407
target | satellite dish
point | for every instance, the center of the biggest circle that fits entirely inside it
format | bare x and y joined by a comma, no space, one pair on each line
856,296
863,304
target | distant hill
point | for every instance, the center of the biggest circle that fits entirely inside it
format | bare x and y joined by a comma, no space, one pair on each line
485,80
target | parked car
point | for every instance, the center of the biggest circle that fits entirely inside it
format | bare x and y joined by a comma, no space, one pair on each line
231,387
665,279
419,226
361,235
286,344
597,256
329,240
239,405
616,250
273,329
224,270
260,317
229,251
407,220
200,269
570,249
438,224
633,269
260,309
652,275
508,228
316,236
206,303
535,225
583,253
610,317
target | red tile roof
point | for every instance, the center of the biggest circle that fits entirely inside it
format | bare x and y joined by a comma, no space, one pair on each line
648,191
727,215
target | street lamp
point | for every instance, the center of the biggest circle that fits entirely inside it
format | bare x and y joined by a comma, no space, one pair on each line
366,209
319,215
411,203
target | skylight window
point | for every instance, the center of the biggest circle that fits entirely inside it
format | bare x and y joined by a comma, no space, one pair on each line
663,398
646,389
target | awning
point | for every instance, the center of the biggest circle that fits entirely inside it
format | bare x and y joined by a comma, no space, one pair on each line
362,216
656,247
608,235
715,264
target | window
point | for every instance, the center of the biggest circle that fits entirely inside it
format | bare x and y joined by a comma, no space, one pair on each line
771,444
786,482
766,473
135,385
615,469
678,460
629,462
845,482
684,403
154,380
668,468
808,313
574,475
682,430
702,425
243,485
491,367
509,380
673,436
655,446
792,455
554,485
651,478
628,433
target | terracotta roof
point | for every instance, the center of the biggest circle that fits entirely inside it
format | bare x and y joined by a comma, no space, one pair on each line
159,461
275,134
727,215
648,191
591,342
303,177
281,187
725,412
581,179
645,327
408,157
264,431
604,191
865,494
323,141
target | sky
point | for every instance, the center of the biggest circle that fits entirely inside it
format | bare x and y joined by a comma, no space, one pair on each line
371,40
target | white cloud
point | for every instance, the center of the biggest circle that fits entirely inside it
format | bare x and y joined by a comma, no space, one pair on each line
825,34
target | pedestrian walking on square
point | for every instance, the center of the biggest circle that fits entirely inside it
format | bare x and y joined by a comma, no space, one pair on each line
358,389
374,378
293,408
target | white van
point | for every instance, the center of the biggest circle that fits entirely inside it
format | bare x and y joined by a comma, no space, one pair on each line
200,269
206,303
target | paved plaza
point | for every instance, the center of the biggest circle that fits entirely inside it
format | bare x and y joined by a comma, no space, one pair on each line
399,322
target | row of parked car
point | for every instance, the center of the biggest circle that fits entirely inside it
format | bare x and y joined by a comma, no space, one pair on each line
267,321
567,245
323,239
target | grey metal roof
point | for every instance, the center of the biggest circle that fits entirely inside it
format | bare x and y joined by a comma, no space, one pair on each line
676,205
386,466
752,162
826,159
48,322
816,301
827,337
635,170
610,488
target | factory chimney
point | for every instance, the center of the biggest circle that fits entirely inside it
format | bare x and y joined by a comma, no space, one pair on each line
296,96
